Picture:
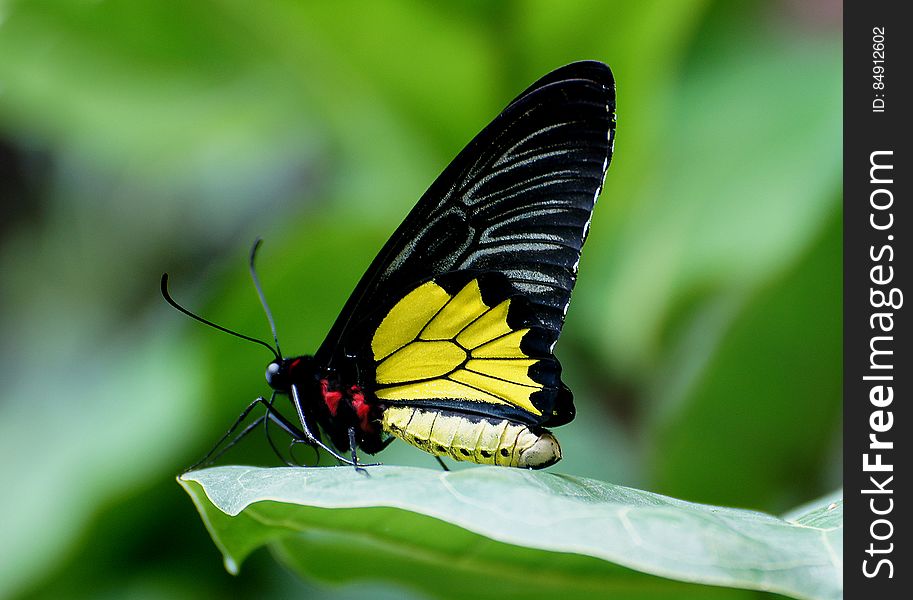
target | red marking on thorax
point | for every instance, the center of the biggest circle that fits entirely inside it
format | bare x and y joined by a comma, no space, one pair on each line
356,399
362,409
331,398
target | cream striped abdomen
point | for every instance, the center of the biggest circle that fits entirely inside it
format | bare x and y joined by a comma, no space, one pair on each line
482,440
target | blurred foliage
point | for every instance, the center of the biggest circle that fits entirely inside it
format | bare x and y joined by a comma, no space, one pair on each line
138,136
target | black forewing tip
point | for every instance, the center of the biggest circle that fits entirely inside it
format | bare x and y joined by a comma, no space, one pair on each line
586,70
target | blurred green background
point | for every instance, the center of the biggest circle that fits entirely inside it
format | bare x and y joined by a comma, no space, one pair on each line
141,136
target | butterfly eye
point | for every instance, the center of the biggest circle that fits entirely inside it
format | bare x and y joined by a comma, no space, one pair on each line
272,370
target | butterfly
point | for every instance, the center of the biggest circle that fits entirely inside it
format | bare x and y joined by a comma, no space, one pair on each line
447,341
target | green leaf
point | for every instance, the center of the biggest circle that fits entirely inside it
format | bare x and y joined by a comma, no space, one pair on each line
486,531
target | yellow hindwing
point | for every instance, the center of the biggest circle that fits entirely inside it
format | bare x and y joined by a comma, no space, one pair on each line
432,345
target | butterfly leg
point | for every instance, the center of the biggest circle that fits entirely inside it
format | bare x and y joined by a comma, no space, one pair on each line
269,438
306,437
215,453
441,462
212,456
353,446
304,434
299,436
265,419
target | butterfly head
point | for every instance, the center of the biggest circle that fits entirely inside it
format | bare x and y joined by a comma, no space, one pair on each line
281,373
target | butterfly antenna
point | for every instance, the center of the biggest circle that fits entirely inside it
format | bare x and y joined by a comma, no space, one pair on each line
253,274
180,308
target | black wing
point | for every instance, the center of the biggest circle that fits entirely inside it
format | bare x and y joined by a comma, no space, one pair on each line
517,201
